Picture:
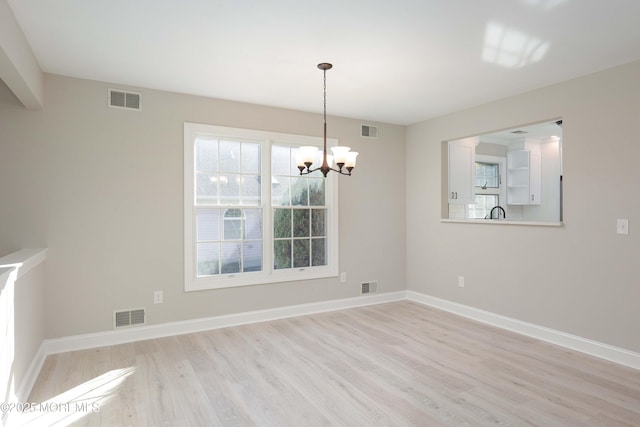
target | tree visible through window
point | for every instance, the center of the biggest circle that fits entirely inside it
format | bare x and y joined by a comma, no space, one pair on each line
299,213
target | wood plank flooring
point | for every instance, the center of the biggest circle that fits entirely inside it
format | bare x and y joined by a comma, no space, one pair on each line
395,364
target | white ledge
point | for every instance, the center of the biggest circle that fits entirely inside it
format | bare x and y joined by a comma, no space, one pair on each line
504,222
23,261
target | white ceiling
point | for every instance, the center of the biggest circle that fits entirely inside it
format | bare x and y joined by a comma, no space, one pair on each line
399,61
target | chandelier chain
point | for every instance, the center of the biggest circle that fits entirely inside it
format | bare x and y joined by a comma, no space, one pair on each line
324,90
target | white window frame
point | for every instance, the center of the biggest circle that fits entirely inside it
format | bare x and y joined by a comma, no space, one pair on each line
268,273
501,191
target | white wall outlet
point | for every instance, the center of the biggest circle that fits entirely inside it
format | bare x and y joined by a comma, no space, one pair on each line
461,281
622,226
158,297
343,277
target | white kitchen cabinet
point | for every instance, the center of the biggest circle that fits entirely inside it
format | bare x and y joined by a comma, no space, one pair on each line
462,163
523,177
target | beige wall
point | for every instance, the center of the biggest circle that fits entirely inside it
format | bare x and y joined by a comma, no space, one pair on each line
489,149
581,278
102,189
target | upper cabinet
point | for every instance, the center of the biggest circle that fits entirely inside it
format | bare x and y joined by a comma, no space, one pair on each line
462,158
523,176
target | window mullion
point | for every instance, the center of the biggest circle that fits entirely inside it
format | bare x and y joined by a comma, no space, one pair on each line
267,208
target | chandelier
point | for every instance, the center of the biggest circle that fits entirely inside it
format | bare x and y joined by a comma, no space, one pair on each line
344,158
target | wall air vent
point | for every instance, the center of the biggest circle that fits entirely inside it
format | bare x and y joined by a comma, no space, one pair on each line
368,131
125,100
124,318
369,287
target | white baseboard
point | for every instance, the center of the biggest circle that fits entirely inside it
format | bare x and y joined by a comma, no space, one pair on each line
31,375
121,336
573,342
101,339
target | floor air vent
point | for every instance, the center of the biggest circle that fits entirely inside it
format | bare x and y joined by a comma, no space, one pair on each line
133,317
126,100
369,131
369,287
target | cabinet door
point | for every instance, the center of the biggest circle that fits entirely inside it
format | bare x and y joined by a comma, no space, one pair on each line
534,178
462,163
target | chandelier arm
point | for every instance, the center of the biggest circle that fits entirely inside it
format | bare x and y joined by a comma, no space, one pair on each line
320,168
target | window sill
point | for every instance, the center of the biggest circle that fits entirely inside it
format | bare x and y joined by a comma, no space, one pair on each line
503,222
258,278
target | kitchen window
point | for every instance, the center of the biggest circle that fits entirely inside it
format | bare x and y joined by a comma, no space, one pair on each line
489,187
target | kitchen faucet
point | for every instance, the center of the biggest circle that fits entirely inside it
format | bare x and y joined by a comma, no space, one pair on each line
500,208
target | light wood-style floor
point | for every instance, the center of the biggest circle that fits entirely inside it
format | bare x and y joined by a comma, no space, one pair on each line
394,364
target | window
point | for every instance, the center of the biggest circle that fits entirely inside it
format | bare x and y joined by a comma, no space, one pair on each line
487,175
250,217
489,189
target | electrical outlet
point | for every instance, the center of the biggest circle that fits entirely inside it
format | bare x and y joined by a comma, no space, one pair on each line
158,297
461,281
343,277
622,226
